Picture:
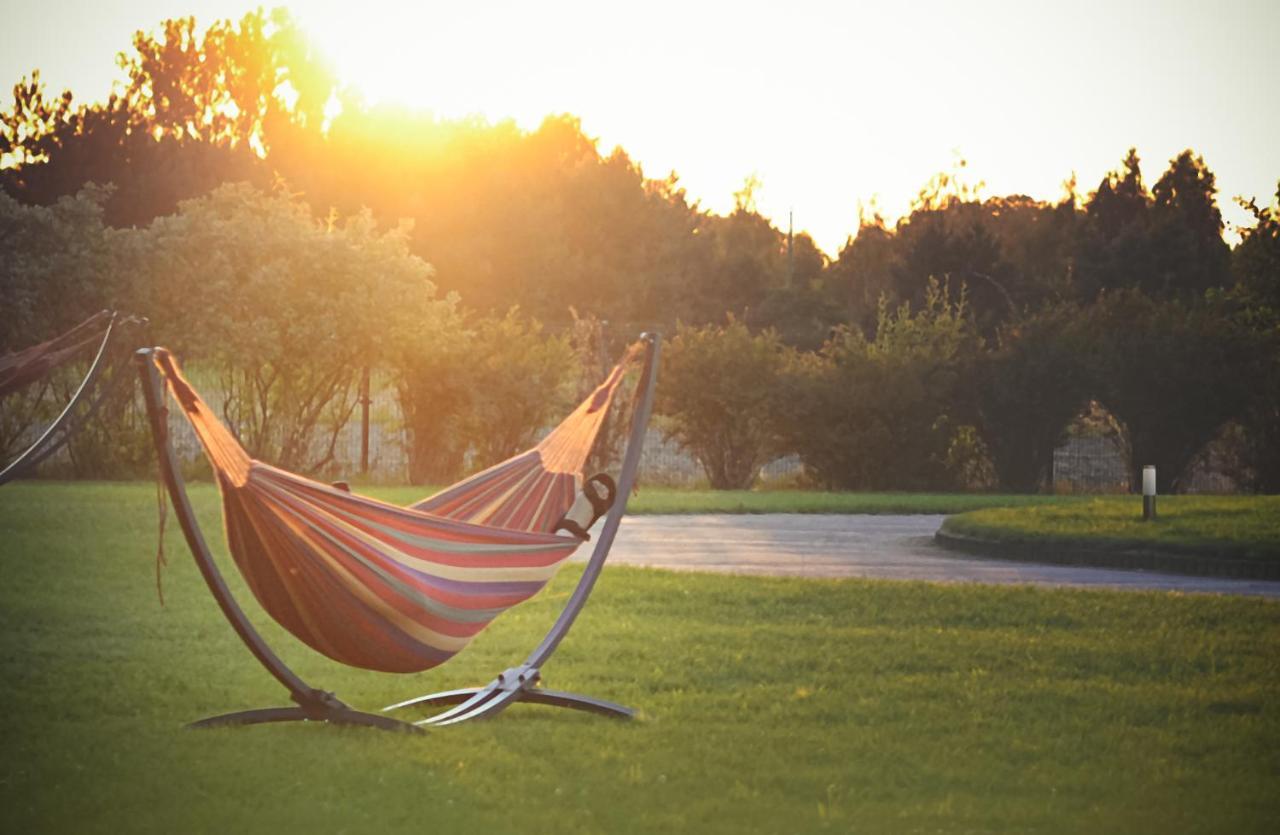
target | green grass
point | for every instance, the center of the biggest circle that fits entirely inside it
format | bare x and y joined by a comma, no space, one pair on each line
767,705
679,500
1236,526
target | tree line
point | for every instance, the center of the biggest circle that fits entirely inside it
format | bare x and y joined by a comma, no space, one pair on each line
275,226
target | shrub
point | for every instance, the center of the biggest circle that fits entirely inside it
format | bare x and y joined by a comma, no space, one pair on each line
289,308
1174,373
889,414
719,388
483,386
1028,388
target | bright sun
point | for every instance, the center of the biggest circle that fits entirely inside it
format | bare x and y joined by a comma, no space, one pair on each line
452,61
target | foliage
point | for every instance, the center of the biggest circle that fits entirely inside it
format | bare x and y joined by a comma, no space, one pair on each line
1256,263
1010,254
543,220
479,389
884,414
1167,243
196,112
288,308
518,375
434,394
718,391
1173,373
55,272
1029,386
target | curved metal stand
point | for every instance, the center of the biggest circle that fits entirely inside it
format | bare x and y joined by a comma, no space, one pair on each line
313,704
335,716
520,683
60,430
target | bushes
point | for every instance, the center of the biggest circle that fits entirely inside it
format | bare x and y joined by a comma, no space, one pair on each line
891,413
55,270
719,389
1174,373
1029,386
288,308
484,386
285,311
926,405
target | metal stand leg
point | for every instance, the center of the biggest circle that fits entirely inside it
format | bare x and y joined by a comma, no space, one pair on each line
298,714
518,684
575,701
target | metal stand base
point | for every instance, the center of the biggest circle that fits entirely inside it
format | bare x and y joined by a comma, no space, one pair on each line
338,716
515,685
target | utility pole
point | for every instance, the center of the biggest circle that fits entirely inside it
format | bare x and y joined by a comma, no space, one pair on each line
791,251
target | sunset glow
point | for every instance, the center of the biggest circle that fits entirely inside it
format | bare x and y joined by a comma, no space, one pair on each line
832,106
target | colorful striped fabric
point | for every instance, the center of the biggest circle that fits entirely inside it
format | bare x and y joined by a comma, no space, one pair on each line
531,491
387,588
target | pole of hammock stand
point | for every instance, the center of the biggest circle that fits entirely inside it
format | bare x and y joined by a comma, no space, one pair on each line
517,683
313,704
626,481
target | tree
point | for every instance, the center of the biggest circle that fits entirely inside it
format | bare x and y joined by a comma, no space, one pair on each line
1011,254
1256,266
479,389
55,273
1166,243
718,393
1029,387
56,268
864,271
889,413
519,377
197,111
286,308
1113,251
1187,231
1174,373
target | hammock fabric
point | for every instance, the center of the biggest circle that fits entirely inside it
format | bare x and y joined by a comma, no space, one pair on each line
387,588
21,368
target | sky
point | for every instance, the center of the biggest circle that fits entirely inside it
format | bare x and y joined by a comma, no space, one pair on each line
835,107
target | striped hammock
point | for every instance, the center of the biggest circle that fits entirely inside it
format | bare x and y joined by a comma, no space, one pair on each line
388,588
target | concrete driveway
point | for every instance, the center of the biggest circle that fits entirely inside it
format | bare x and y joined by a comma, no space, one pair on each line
882,547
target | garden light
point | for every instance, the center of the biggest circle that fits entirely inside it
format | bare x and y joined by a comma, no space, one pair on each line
1149,492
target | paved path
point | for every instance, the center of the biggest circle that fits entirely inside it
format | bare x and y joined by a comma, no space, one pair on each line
887,547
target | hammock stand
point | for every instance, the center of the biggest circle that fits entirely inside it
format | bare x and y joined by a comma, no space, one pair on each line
314,704
521,683
71,417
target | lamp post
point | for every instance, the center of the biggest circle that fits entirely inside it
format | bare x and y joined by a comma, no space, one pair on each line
1149,492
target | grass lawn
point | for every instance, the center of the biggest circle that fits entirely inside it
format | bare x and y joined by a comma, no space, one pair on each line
767,705
678,500
1235,526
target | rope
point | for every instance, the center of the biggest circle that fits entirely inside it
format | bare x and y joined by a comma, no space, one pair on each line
162,511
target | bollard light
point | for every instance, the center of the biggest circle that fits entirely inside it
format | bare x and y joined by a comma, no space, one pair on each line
1149,492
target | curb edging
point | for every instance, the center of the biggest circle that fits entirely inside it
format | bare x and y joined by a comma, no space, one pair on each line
1130,559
